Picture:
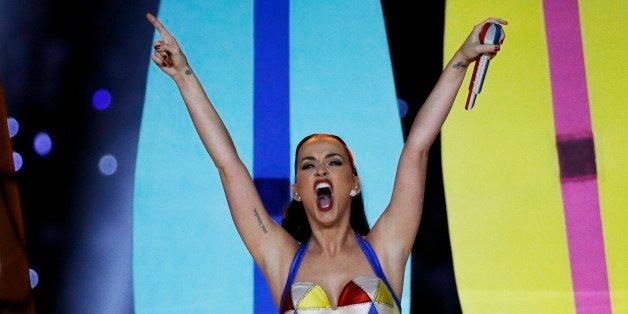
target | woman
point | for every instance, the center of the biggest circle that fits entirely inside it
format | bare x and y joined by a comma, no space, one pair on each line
334,268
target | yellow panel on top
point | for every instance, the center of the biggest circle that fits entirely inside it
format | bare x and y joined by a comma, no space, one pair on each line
501,174
314,298
605,42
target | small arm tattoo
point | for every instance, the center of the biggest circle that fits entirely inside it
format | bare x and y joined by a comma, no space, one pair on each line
259,220
459,65
188,72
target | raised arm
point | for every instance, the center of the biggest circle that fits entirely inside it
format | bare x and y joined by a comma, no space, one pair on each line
394,233
269,244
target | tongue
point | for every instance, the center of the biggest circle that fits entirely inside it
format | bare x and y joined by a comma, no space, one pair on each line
324,202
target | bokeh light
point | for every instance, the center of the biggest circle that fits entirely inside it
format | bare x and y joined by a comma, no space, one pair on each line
17,161
403,107
34,277
14,126
101,99
108,165
42,143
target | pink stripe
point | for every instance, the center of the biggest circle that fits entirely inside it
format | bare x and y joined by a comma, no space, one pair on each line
569,86
586,247
572,119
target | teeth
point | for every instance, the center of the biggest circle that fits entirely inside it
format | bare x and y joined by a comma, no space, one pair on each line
321,185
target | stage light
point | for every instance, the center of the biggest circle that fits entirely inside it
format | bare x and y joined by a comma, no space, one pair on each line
108,165
403,107
42,143
101,99
34,277
17,161
14,126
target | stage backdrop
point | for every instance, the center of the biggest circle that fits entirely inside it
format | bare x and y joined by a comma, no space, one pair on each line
276,72
535,176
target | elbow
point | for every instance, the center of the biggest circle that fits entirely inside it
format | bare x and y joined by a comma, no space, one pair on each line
226,165
423,152
221,166
420,152
418,145
411,158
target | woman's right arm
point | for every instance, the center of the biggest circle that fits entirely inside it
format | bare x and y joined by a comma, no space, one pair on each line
269,244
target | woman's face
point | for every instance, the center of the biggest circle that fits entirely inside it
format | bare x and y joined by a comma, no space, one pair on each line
324,179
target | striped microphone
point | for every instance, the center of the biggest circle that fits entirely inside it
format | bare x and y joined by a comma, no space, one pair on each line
491,34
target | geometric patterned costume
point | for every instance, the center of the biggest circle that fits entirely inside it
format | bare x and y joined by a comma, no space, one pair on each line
364,294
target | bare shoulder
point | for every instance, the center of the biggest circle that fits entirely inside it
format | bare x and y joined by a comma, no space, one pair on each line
391,258
277,266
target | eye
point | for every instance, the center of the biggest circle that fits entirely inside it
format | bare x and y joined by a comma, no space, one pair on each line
307,166
335,163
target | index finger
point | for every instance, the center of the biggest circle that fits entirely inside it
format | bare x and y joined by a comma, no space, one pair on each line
160,27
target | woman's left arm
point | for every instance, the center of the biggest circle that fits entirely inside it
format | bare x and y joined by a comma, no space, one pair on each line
394,232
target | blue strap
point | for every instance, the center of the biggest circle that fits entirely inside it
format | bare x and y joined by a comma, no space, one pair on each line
377,268
294,268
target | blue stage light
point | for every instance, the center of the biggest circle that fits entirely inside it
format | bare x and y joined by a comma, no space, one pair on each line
108,165
101,99
42,144
403,107
14,126
17,161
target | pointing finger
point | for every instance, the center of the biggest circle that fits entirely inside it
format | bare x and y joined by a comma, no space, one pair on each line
160,27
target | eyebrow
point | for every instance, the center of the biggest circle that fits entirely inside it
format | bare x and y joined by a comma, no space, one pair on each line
330,155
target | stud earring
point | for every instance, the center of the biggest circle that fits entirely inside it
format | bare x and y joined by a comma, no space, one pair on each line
353,193
297,197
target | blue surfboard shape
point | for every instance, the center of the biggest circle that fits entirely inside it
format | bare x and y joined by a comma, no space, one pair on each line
187,255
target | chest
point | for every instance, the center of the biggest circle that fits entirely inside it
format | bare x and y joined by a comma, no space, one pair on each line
333,274
359,296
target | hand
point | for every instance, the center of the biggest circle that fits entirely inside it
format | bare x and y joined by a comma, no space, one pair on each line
168,55
472,49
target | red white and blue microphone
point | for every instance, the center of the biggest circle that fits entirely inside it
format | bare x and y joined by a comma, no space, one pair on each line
491,34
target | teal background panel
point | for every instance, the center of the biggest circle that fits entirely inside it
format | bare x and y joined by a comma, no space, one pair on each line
187,255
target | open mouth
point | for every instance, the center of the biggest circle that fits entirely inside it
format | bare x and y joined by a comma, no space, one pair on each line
324,198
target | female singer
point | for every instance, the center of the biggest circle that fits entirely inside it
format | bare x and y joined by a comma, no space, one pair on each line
326,259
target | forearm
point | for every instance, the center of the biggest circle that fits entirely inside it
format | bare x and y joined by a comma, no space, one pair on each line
207,122
432,115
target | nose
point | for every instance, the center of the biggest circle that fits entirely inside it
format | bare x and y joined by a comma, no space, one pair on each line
321,170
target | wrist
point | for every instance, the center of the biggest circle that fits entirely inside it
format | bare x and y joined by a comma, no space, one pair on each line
458,61
459,56
180,77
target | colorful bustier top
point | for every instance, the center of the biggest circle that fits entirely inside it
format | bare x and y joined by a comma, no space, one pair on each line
361,295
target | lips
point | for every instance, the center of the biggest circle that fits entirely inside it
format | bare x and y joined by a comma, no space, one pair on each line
324,194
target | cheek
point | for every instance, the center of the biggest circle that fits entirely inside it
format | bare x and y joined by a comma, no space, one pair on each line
299,177
346,174
301,182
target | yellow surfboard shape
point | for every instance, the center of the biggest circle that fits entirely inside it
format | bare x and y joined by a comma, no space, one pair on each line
500,163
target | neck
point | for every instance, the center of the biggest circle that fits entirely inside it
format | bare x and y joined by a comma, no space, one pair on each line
331,241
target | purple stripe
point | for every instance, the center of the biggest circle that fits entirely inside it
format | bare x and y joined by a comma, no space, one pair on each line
271,121
576,158
572,120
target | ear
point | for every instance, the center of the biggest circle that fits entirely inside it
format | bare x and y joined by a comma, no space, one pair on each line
295,194
356,185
